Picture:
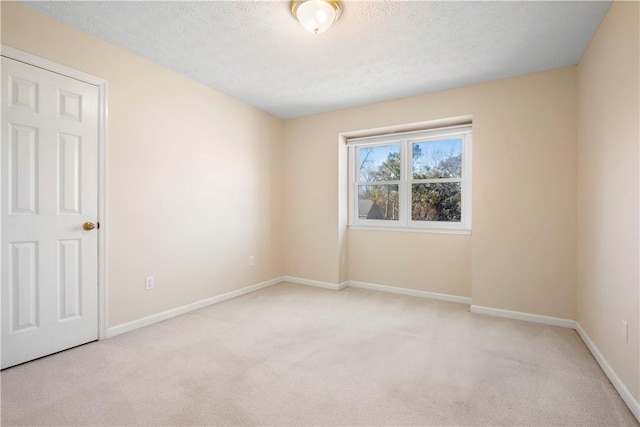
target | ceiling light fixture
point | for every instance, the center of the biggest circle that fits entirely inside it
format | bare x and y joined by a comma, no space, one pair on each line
316,16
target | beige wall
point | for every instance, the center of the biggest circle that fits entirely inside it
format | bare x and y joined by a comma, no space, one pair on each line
521,255
194,177
407,260
608,180
524,194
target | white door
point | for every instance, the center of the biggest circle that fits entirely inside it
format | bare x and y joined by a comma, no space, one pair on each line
49,180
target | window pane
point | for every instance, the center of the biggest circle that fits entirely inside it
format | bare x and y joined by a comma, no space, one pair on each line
380,163
437,159
378,202
436,202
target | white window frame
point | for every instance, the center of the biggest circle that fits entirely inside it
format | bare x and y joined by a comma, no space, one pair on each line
405,140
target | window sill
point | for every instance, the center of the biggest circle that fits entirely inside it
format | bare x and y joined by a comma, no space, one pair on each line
462,231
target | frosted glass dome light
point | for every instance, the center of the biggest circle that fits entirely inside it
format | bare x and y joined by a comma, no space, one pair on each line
316,16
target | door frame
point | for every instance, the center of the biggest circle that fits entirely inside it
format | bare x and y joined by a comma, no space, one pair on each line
101,84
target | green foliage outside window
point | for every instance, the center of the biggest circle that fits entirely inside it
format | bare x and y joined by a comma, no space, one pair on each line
430,201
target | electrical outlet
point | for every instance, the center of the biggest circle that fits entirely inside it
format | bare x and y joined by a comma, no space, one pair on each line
624,332
149,283
344,259
252,260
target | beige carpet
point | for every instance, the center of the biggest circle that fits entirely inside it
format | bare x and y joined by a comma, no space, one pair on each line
296,355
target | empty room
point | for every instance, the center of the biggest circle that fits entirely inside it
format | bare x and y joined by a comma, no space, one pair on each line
320,212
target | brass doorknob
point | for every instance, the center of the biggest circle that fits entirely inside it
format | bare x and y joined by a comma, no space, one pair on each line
88,226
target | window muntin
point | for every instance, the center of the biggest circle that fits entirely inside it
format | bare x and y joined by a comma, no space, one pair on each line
418,180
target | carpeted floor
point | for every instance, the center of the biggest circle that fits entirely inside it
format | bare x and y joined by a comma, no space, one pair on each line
296,355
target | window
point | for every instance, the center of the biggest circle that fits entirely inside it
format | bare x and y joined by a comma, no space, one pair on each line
412,181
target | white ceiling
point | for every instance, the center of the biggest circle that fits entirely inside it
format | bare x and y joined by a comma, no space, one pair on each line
379,50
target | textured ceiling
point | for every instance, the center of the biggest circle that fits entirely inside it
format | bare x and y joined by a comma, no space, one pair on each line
379,50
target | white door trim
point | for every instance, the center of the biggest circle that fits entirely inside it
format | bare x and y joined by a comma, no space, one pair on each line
39,62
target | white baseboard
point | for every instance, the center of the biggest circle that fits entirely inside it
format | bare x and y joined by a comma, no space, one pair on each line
159,317
622,389
316,283
343,285
527,317
411,292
